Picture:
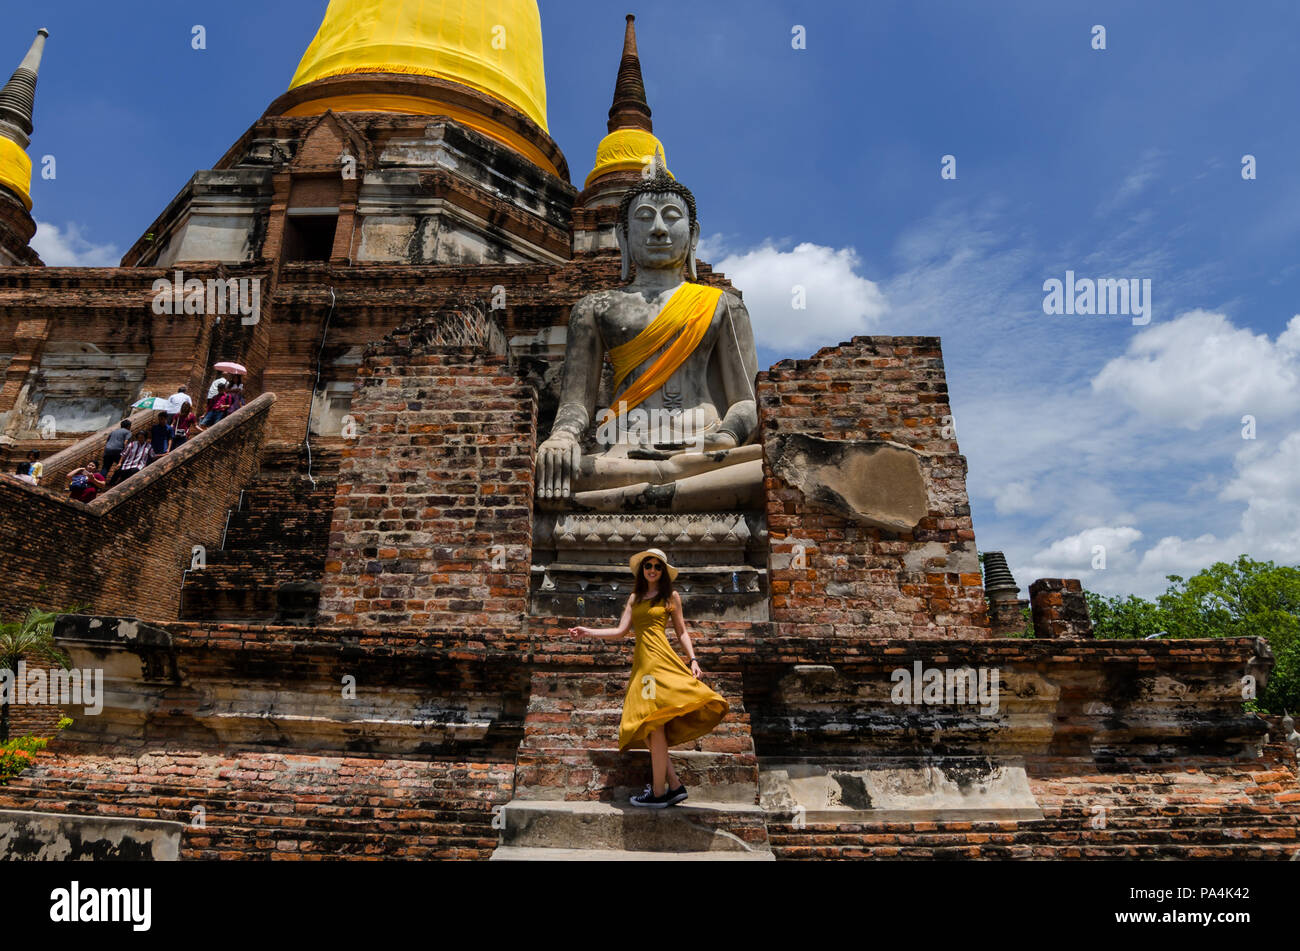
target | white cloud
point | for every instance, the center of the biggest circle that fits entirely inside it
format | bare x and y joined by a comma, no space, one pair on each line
1012,497
1074,556
1200,366
66,247
1178,556
1267,480
839,303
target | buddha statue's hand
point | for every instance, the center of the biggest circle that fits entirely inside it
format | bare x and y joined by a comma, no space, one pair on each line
714,442
557,464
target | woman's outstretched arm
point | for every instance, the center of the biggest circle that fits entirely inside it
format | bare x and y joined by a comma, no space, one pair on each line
608,633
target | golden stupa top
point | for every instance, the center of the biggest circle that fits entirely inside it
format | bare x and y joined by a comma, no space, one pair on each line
493,48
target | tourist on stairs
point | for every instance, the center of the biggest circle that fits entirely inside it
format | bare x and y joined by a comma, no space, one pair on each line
217,411
85,483
185,422
666,703
113,448
138,454
160,436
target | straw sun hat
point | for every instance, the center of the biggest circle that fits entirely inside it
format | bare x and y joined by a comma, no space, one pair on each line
641,556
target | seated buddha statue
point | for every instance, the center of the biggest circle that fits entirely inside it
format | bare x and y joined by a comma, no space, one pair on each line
681,434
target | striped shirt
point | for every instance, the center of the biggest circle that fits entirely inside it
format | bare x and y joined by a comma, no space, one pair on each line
136,456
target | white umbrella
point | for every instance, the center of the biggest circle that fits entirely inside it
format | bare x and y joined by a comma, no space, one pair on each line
168,405
230,367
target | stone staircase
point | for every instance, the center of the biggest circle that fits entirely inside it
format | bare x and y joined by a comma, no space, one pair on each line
572,785
272,556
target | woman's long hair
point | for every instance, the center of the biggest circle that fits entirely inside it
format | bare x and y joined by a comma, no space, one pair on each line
641,586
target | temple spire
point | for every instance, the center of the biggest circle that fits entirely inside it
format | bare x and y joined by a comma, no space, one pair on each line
631,142
630,109
18,97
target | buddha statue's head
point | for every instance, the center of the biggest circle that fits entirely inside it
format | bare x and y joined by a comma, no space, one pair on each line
657,226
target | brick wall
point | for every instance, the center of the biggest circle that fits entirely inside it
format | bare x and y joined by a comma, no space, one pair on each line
830,574
433,516
284,807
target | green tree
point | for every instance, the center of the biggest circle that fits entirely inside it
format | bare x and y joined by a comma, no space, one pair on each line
32,637
1130,618
1245,598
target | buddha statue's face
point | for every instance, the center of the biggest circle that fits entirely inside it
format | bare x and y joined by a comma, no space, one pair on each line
659,232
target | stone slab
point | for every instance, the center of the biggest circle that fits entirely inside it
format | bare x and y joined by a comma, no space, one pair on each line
952,789
61,837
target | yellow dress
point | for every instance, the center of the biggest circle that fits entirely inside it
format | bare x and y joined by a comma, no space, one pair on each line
662,691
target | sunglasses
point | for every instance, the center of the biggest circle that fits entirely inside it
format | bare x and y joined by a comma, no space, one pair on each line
655,565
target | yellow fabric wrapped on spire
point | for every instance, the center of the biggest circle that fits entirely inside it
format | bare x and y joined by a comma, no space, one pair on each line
16,171
625,150
688,314
494,48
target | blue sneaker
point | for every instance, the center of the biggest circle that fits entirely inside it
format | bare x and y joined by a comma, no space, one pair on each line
650,801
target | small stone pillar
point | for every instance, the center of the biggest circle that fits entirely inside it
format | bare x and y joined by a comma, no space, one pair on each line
1005,604
1059,608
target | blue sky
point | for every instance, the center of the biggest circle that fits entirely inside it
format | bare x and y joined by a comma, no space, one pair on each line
821,167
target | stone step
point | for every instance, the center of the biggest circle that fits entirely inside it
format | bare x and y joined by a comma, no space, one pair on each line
272,556
234,596
570,745
703,827
269,563
277,530
267,494
610,776
507,853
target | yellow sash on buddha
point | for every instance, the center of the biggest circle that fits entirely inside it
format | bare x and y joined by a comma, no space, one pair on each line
690,310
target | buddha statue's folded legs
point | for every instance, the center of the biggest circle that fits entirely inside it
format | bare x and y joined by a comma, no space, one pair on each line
619,481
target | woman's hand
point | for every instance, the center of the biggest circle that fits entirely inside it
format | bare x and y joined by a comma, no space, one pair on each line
696,672
579,631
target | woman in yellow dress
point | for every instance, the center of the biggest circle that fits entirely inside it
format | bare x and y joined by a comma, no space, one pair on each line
666,704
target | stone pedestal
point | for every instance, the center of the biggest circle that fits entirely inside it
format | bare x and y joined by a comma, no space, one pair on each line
581,563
